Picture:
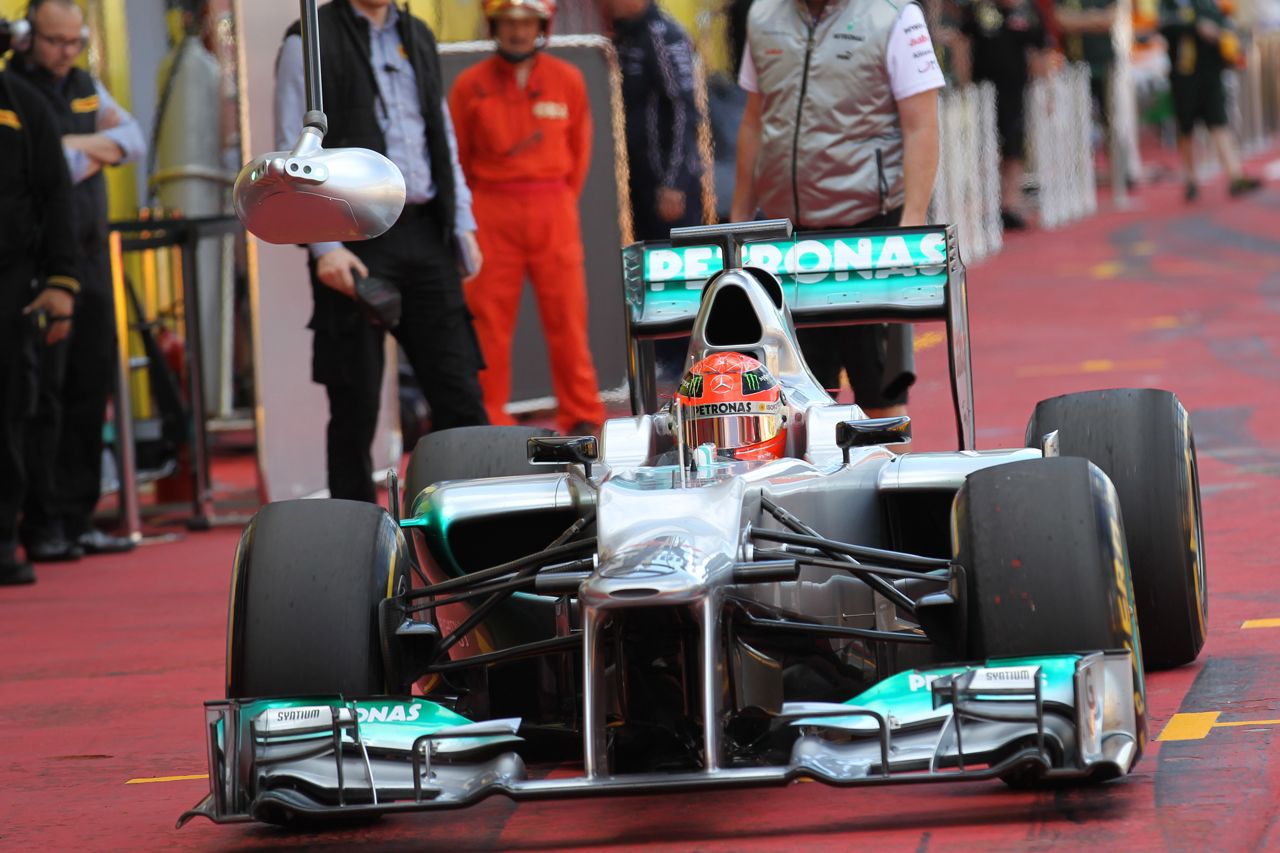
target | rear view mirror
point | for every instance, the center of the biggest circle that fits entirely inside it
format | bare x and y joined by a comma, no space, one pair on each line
872,431
559,449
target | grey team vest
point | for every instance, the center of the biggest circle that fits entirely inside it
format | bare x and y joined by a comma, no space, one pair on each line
827,110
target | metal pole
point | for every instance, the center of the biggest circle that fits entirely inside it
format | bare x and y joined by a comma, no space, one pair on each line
130,514
202,500
311,55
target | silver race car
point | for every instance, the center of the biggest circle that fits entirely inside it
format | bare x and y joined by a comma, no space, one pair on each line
747,585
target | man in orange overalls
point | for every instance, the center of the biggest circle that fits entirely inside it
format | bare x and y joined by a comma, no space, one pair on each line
524,141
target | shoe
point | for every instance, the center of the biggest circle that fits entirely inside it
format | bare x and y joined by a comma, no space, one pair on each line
17,574
95,541
1191,193
1012,220
53,549
1240,186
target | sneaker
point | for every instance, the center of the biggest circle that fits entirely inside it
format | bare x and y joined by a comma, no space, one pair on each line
17,574
1191,193
1240,186
95,541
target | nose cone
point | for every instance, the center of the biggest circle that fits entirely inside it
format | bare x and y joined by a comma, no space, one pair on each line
667,571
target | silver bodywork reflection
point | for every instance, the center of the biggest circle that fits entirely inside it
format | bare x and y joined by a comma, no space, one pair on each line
311,195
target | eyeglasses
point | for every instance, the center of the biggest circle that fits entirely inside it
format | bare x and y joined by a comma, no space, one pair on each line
74,44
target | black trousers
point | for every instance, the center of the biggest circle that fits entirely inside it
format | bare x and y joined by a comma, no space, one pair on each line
435,331
17,397
64,439
877,357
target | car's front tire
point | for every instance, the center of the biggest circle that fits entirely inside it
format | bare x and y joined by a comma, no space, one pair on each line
306,584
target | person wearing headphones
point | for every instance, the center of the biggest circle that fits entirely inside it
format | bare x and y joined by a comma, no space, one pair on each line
524,139
65,455
39,278
383,90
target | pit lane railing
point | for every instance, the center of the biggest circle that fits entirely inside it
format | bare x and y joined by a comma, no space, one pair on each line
167,249
1256,112
967,189
1060,142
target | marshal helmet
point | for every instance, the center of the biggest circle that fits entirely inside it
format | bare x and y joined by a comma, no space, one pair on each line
543,10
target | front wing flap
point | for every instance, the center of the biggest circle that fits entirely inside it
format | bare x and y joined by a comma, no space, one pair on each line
1062,716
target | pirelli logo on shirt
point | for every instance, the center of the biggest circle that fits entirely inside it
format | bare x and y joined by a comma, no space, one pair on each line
85,105
551,110
8,118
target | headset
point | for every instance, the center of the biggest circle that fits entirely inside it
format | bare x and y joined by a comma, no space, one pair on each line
23,44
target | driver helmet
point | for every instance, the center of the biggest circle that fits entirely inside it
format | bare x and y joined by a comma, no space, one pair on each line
543,10
731,400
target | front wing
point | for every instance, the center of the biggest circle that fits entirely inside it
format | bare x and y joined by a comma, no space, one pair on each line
1064,716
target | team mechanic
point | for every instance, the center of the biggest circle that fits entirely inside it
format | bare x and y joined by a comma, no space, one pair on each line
383,90
657,60
96,133
37,249
524,139
841,131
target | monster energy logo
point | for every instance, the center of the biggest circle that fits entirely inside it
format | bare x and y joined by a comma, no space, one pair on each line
692,386
751,382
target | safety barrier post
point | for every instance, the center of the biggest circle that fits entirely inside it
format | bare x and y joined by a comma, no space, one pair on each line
967,191
1060,133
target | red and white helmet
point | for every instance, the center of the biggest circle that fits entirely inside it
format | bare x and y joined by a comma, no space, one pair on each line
731,400
543,10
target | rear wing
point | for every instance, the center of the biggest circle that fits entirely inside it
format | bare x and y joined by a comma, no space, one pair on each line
829,278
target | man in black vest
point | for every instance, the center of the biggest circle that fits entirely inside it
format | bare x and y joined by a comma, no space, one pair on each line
67,439
382,90
39,272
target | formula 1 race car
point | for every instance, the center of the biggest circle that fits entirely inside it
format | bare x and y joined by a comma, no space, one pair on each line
744,589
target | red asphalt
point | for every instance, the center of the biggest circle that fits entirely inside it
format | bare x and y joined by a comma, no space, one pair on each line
104,663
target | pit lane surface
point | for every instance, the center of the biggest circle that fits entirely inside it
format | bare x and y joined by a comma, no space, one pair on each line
104,664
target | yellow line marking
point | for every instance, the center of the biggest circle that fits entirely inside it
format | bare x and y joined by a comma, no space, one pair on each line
1106,269
1189,726
147,780
926,340
1196,726
1164,321
1096,365
1261,623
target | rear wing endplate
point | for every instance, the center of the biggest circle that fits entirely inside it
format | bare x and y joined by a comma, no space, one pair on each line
829,278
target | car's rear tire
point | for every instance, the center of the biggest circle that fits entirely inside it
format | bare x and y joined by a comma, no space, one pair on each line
1141,438
1040,542
306,584
466,453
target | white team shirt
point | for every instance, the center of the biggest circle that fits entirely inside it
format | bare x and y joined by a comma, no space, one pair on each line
909,57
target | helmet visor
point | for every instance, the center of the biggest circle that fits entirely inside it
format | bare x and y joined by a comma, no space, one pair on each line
740,425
